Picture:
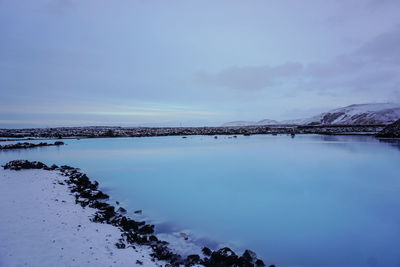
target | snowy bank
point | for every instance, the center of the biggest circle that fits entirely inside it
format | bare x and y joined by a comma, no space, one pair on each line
43,225
40,225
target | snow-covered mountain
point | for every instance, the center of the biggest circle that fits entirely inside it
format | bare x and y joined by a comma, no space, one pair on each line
361,114
375,113
267,122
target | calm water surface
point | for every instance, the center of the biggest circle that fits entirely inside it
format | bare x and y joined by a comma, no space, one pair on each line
307,201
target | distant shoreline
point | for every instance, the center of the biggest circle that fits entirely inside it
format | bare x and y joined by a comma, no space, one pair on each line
105,131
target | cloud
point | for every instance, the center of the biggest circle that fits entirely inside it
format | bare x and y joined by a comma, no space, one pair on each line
373,66
384,48
380,3
60,7
250,78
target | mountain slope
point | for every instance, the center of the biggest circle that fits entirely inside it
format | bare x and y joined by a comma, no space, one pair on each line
357,114
267,122
377,113
250,123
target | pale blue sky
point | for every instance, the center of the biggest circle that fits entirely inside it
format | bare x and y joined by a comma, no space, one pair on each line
87,62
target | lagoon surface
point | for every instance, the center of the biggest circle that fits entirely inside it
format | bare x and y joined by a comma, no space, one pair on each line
305,201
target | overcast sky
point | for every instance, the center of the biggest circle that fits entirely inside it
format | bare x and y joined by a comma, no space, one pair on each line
184,62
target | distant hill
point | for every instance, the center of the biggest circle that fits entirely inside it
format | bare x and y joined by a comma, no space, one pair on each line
250,123
361,114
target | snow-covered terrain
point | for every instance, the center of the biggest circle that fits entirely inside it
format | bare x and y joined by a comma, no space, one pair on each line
375,113
358,114
250,123
40,225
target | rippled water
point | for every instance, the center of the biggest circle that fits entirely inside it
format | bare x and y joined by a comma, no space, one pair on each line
307,201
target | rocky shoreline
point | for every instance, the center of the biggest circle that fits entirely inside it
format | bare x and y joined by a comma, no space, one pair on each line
29,145
105,131
135,232
390,131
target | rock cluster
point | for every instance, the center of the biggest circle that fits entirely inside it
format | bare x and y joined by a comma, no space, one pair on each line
391,131
29,145
136,232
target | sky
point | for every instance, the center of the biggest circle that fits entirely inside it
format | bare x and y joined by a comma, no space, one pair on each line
192,62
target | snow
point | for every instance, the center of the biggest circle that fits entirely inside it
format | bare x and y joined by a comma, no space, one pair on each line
267,122
40,225
381,113
361,108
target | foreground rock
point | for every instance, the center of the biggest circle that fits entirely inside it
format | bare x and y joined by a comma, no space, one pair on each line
135,233
29,145
391,131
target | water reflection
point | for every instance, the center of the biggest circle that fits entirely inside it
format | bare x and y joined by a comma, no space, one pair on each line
392,142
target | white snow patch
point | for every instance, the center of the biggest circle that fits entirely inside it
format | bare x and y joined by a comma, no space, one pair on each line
40,225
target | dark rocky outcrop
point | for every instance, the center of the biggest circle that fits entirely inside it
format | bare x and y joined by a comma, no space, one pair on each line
226,257
135,232
391,131
29,145
24,164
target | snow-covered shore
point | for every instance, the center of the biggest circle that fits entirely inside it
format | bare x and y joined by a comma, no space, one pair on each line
40,225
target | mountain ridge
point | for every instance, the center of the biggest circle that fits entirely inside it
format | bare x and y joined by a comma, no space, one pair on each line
360,114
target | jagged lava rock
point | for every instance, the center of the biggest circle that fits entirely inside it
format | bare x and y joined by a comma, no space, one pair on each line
391,131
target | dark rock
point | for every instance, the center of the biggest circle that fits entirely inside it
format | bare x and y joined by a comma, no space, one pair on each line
24,164
134,238
192,260
121,210
99,195
27,145
206,251
138,212
98,205
146,229
105,214
66,167
390,131
260,263
129,224
120,245
53,167
153,238
249,256
162,252
223,257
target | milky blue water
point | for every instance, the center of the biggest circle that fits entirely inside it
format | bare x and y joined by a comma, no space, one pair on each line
307,201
